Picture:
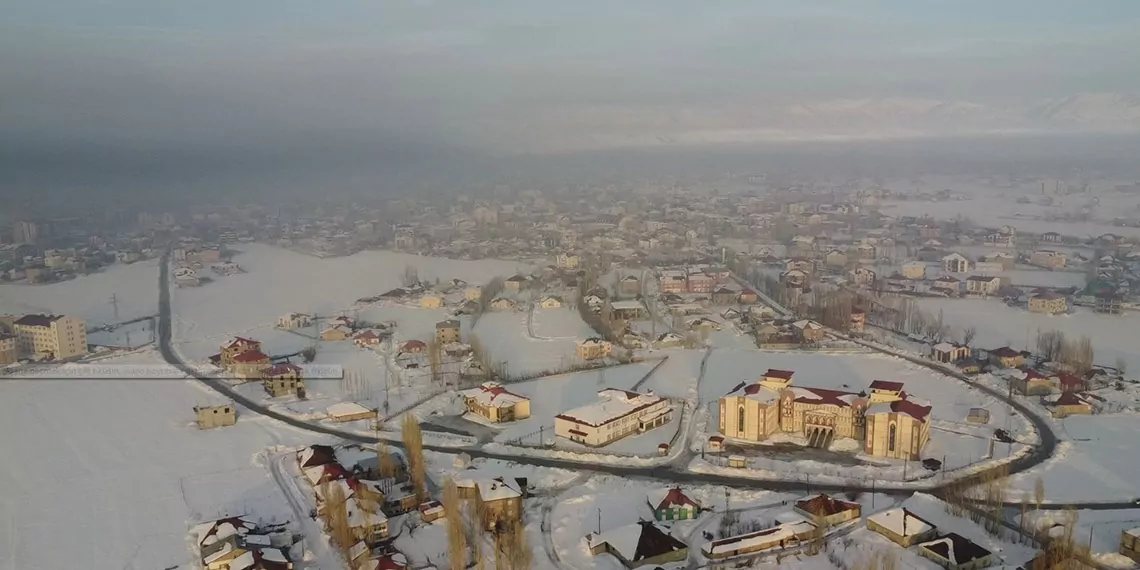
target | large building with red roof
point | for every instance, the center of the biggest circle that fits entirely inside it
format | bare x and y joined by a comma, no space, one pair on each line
888,421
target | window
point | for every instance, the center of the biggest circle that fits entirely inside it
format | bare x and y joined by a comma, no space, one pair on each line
740,419
891,438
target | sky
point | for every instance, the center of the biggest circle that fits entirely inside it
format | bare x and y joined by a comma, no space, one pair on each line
269,79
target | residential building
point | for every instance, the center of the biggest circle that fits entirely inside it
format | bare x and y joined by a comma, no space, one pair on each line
50,336
349,412
567,261
982,286
627,310
593,349
724,296
947,284
502,304
447,331
249,365
913,270
551,302
824,511
639,544
701,283
795,278
499,500
862,276
368,337
294,321
1006,357
1130,543
1070,404
629,286
283,380
616,414
955,552
7,349
515,283
209,417
858,320
673,282
1048,258
1030,382
1005,237
431,301
496,404
949,353
901,527
1052,237
955,263
784,535
413,346
673,505
808,331
235,347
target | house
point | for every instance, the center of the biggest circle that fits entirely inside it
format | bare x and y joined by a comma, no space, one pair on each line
724,296
627,310
431,511
1030,382
1052,237
901,527
349,412
716,443
283,380
593,349
1070,404
1005,237
515,283
808,331
701,283
56,336
629,286
982,285
858,320
616,414
747,297
955,263
7,348
550,302
1071,382
1130,543
473,293
673,505
1001,261
835,258
640,544
499,500
955,552
336,333
978,416
294,321
367,337
794,278
673,282
186,277
781,536
249,364
948,353
947,284
1048,303
496,404
1006,357
431,301
913,270
669,340
209,417
567,261
825,511
447,331
413,346
1048,258
502,304
862,276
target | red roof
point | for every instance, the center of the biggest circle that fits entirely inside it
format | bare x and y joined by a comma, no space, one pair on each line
885,385
676,498
1070,399
283,368
251,356
782,374
1070,382
368,334
1005,352
916,411
717,438
823,505
241,341
832,397
414,344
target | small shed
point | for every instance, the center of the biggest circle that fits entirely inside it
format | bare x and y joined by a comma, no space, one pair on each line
738,461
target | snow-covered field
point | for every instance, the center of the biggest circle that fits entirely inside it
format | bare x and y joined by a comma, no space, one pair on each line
113,472
560,323
279,281
134,286
1095,461
1113,336
1100,530
505,337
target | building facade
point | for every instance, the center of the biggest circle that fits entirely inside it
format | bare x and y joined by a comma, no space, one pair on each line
496,404
55,336
616,414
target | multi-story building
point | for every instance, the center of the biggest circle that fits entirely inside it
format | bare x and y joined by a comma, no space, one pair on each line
283,380
1049,303
447,331
955,263
55,336
616,414
209,417
495,403
7,348
235,347
593,349
982,286
753,412
673,282
701,283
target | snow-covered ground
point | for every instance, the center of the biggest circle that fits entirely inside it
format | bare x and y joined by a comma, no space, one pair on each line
1099,530
1113,336
505,337
559,323
1095,461
113,472
134,286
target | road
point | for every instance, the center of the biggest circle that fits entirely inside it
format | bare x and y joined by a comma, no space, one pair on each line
660,473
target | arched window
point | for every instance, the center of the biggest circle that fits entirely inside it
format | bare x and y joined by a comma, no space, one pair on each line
740,420
891,438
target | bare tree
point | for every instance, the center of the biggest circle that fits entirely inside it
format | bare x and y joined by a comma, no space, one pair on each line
968,335
387,464
1050,345
435,361
414,446
336,517
1038,492
456,533
1121,366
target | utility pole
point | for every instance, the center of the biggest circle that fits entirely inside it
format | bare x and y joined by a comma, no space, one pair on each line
115,306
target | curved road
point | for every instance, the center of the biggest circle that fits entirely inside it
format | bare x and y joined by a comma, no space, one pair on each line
665,473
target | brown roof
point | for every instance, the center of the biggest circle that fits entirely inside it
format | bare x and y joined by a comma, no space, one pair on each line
654,542
251,356
885,385
776,373
38,320
676,498
1005,352
824,505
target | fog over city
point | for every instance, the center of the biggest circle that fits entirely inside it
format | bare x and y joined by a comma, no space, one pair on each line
269,93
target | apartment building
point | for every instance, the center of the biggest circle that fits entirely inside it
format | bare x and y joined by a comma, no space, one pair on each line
55,336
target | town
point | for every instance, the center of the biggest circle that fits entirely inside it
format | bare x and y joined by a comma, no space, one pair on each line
607,377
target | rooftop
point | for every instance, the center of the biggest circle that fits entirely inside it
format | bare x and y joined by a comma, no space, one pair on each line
901,522
612,404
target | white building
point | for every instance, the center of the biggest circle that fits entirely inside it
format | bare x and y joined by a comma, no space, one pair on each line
293,321
616,414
